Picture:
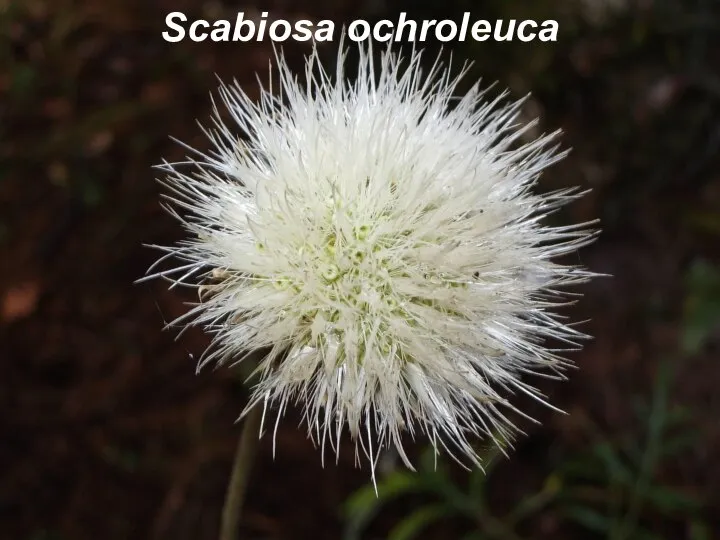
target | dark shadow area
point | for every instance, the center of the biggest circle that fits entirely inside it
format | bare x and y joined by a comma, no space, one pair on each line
108,433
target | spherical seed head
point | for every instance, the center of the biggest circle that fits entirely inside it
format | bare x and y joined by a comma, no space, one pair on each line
381,241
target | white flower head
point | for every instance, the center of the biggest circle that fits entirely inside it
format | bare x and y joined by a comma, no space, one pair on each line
381,241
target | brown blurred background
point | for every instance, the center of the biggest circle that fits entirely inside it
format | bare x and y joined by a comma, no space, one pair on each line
107,433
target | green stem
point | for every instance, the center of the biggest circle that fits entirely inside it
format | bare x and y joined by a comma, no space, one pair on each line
244,457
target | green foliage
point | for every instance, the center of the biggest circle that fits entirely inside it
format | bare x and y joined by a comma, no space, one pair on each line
433,481
607,489
610,487
702,306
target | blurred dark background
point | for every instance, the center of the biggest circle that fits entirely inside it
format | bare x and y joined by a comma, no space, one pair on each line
107,433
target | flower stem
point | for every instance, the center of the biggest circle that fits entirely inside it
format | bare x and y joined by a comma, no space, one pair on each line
244,457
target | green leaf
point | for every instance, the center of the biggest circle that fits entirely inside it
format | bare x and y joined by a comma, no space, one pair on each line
589,518
619,472
457,499
23,81
674,446
533,504
583,468
702,305
708,222
477,484
679,415
413,524
436,478
478,476
671,500
365,503
394,484
699,530
430,464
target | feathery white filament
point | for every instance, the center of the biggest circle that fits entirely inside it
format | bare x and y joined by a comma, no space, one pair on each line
381,240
